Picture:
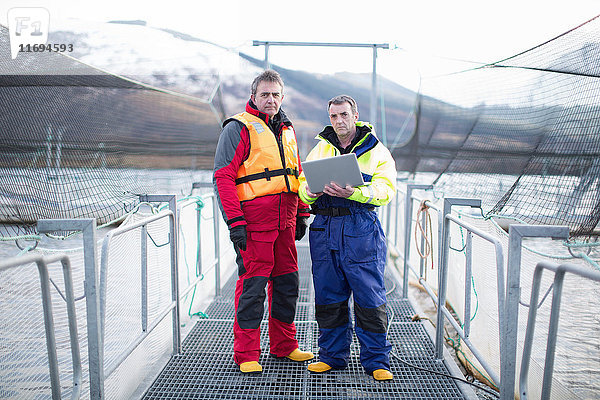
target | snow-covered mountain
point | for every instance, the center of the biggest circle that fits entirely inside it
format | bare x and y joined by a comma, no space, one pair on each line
184,64
148,55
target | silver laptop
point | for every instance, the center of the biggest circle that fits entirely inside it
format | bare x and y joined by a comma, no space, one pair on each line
342,170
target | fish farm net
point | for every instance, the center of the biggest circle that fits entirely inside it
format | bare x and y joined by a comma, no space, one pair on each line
78,142
522,134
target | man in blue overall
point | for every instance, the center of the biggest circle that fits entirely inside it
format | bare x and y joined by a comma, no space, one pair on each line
347,245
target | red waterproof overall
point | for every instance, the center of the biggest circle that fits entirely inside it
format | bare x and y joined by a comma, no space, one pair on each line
270,259
266,185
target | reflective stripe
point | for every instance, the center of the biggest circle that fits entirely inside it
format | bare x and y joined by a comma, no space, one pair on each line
270,167
371,193
376,165
258,126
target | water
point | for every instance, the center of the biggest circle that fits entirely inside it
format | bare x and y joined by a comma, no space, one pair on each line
578,355
23,362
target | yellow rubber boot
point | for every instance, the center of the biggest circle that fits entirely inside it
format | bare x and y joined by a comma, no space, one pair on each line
250,367
318,367
299,355
382,375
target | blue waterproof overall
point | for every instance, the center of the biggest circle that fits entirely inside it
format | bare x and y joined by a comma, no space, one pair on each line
348,257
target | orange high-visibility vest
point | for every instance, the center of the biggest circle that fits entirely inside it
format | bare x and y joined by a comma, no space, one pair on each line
266,171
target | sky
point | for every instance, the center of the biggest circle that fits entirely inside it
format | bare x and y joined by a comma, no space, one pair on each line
423,34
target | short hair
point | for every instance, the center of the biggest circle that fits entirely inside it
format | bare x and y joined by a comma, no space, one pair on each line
341,99
268,75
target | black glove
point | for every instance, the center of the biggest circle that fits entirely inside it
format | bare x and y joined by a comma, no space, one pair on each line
238,236
301,225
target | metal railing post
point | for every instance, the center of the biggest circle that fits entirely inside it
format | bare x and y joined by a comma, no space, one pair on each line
559,274
175,274
73,331
49,327
144,277
468,278
163,314
42,266
216,217
92,295
508,352
199,238
388,217
397,200
407,225
443,269
173,238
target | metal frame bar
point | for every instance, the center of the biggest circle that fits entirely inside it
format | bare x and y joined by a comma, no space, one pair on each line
508,288
217,240
508,352
423,261
374,46
468,279
173,307
42,265
559,274
442,277
144,278
92,295
464,332
171,199
396,215
443,266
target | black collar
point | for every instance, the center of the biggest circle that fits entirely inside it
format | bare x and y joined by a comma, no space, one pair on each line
330,135
275,122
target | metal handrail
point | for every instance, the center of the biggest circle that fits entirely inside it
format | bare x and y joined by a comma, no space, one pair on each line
96,285
42,264
500,282
173,307
559,274
507,286
508,342
442,279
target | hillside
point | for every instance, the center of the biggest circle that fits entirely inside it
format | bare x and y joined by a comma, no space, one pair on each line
308,93
192,66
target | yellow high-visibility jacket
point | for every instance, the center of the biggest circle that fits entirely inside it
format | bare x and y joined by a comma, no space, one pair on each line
376,165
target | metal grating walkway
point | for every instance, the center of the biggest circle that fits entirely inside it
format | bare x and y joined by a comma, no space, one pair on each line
205,367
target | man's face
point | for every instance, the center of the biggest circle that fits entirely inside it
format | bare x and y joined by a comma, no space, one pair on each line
268,97
342,119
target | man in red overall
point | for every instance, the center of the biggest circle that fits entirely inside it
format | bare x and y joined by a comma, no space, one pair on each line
256,180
